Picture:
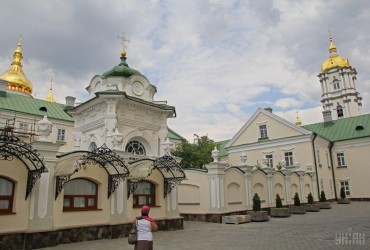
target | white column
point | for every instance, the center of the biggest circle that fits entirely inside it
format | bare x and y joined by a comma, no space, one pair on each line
301,188
287,189
270,189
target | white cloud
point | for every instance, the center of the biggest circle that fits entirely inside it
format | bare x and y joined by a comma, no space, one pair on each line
215,61
288,103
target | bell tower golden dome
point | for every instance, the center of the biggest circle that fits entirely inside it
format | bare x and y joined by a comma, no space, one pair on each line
334,59
14,76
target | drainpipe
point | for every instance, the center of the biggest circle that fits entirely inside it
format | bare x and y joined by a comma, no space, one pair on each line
331,144
314,160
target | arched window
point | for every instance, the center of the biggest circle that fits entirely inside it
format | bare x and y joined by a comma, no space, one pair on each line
135,147
339,111
92,147
80,194
6,195
144,194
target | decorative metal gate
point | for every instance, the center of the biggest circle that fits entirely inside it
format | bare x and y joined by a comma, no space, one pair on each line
11,146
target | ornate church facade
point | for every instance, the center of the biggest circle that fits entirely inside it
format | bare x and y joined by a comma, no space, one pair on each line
73,172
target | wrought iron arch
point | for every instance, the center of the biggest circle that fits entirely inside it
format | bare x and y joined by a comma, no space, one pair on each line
11,146
105,158
171,171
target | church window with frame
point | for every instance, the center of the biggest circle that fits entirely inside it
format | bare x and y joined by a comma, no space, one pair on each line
340,111
144,194
336,84
341,160
80,194
61,136
135,147
288,156
270,160
6,195
23,127
263,131
345,184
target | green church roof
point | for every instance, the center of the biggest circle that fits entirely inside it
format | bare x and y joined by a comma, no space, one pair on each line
175,136
29,105
342,129
121,70
221,148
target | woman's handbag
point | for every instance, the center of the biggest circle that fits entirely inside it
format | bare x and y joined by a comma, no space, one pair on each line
132,235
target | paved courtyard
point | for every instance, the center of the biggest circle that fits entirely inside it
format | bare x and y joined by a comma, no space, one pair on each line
327,229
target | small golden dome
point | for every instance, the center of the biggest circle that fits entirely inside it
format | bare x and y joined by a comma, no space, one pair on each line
50,97
123,53
297,120
17,80
334,60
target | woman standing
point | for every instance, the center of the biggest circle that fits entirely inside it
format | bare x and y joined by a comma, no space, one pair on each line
145,227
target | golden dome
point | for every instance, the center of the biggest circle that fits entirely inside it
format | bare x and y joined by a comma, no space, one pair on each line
17,80
297,120
50,97
334,60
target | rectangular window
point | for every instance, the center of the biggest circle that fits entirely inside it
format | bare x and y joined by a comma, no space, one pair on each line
23,127
263,131
336,85
345,185
270,161
61,134
288,158
341,160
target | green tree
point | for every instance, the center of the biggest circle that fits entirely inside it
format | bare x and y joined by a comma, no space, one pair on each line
197,154
256,202
279,204
322,196
297,201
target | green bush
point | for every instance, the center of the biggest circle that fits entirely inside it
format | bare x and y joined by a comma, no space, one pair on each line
279,204
297,201
342,193
322,196
256,202
310,198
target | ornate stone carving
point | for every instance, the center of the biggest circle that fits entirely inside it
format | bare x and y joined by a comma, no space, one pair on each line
44,128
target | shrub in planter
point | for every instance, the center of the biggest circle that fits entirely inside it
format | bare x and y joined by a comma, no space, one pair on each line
311,207
323,204
279,210
297,208
310,199
297,201
258,215
279,204
322,196
256,203
343,199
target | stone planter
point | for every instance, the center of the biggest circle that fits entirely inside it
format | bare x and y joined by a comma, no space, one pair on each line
236,219
279,212
343,201
324,205
259,216
312,207
297,209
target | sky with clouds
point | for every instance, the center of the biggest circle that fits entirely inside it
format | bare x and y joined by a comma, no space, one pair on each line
216,61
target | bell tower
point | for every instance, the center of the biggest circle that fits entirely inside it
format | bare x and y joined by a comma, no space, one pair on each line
340,98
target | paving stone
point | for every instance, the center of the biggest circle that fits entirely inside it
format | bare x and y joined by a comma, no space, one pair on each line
309,231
